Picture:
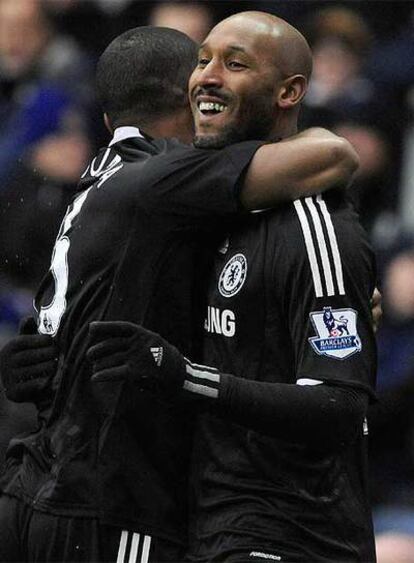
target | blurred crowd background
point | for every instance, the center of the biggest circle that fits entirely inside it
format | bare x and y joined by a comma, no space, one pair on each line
362,88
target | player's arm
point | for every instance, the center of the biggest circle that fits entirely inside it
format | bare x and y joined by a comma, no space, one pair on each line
317,414
311,162
199,188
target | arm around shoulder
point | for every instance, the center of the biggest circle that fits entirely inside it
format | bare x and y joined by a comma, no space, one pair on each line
307,163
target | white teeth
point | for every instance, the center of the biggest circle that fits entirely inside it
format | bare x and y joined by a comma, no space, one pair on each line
211,106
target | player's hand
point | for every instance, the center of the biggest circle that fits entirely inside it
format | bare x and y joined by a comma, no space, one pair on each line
124,351
27,364
376,308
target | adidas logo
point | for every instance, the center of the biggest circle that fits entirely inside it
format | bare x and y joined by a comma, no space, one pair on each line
157,352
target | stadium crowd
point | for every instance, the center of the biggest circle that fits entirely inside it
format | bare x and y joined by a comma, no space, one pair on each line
362,88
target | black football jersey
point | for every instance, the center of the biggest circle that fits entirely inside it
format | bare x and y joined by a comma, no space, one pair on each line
288,302
127,249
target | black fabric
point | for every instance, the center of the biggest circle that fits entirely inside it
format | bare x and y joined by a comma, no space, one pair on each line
129,249
236,548
28,363
28,535
330,416
264,322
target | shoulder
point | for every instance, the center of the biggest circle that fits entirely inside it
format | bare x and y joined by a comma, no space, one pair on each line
320,221
188,168
176,153
322,236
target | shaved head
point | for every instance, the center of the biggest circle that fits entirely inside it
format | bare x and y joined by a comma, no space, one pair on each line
252,74
287,46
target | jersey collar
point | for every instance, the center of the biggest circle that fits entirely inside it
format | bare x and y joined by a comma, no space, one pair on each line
122,133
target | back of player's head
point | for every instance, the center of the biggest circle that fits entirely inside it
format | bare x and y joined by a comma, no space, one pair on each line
143,74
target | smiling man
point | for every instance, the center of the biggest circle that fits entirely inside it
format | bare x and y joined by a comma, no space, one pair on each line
286,480
279,468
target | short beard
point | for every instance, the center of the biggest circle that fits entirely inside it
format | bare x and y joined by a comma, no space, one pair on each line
257,125
227,136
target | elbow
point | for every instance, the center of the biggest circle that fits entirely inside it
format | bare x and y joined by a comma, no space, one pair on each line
345,412
346,159
350,425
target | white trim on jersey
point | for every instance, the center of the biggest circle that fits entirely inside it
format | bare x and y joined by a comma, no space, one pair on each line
203,373
316,246
200,376
126,132
334,244
122,547
133,552
133,549
200,389
308,381
313,262
322,246
146,549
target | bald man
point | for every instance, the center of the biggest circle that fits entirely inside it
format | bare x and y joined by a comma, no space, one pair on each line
279,464
278,469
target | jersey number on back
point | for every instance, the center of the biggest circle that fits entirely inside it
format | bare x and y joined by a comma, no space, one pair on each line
50,315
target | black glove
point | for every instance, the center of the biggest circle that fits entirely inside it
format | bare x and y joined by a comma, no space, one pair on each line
28,364
128,352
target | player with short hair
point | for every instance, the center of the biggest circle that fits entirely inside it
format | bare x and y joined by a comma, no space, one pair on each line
105,475
279,460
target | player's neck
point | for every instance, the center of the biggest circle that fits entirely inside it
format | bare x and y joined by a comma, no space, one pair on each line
284,126
178,125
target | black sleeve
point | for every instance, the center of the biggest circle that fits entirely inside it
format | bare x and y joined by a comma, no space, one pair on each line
310,414
317,415
325,276
197,185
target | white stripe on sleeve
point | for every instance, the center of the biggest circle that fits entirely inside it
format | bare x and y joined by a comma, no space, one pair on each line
201,389
202,373
122,547
334,244
307,235
146,549
320,237
134,548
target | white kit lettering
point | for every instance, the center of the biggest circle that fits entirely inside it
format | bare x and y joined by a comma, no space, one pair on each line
220,322
103,169
51,315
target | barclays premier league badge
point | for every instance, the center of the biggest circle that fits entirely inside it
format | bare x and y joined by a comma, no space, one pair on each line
337,335
233,276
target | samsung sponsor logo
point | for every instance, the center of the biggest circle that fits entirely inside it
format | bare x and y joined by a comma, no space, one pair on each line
220,322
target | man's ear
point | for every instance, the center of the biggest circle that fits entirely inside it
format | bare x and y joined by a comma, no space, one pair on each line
292,92
108,124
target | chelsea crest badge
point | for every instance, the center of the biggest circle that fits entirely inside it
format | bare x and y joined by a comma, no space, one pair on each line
337,335
233,276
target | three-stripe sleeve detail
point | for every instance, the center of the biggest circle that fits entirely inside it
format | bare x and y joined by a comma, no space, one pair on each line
146,549
334,244
131,549
202,380
310,248
133,552
321,246
122,547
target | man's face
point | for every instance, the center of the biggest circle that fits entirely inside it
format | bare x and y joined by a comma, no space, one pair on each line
233,88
